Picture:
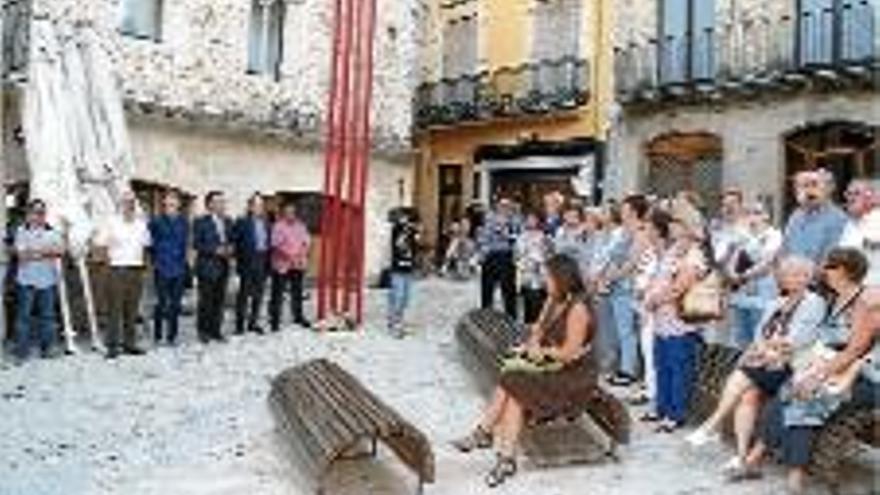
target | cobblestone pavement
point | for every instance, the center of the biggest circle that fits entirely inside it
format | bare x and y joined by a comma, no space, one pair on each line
194,420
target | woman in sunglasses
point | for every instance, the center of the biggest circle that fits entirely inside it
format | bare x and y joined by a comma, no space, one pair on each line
842,367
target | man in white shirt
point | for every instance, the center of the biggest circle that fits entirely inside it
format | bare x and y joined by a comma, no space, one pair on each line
863,229
124,238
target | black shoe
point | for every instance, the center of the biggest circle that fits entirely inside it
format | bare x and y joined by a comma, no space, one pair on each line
134,351
303,322
239,331
220,339
257,330
112,353
204,339
505,467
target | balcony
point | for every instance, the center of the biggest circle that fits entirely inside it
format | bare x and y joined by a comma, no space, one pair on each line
16,35
837,48
531,89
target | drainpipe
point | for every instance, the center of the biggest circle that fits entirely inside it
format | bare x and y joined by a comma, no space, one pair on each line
4,257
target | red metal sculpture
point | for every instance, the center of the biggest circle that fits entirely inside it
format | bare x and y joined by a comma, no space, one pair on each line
347,158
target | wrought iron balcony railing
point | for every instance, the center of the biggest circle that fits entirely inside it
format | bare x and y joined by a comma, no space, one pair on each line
758,54
16,38
537,88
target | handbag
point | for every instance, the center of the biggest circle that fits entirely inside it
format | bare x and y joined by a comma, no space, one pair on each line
704,301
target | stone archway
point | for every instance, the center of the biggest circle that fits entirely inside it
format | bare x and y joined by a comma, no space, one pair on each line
848,150
686,161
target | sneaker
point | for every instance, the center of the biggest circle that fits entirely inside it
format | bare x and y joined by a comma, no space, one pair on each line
621,380
702,437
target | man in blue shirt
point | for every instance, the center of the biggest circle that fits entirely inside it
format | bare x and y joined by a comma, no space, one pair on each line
816,225
38,248
496,240
169,233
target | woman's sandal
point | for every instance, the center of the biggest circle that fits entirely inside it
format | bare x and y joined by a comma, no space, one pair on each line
476,440
505,467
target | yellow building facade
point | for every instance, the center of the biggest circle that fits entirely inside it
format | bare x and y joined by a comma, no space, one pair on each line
513,103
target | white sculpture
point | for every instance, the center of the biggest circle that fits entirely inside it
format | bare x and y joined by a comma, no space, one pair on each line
76,142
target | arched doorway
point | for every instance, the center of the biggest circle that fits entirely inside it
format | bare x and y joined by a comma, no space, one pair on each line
686,161
847,150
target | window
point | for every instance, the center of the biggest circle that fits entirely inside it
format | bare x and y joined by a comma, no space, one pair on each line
460,46
556,29
142,19
687,30
266,38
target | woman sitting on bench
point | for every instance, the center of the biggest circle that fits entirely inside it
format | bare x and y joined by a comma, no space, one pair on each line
843,367
787,328
555,375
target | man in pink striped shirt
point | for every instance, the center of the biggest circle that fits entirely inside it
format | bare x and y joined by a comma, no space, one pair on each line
290,241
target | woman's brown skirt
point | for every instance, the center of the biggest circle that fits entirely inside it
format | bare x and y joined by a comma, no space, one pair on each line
567,393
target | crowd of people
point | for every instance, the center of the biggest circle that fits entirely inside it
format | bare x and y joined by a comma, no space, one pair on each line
628,291
262,251
656,278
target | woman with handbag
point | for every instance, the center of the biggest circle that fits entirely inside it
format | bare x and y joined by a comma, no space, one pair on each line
787,328
676,342
551,375
840,367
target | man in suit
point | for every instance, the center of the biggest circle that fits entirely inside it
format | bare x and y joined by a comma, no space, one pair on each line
212,234
252,240
169,233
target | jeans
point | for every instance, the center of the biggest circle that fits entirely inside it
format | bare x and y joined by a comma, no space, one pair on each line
623,314
169,292
675,359
745,323
398,296
606,336
43,300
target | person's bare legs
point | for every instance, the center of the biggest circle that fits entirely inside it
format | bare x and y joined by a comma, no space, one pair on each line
744,419
493,412
737,384
509,427
796,480
482,435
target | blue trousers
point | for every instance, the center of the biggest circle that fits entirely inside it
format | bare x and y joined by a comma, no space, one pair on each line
169,292
745,322
30,299
623,314
399,295
675,359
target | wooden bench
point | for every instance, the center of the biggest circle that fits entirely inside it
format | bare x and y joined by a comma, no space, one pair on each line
843,438
327,415
483,336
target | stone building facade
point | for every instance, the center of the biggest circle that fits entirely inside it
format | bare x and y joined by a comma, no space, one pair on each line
742,93
230,94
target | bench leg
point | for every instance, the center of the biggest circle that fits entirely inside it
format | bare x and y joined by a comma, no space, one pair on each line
374,448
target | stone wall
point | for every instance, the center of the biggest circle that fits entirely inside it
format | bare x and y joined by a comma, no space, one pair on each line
752,135
199,66
199,160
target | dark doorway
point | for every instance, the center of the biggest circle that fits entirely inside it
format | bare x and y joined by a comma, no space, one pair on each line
686,162
450,202
847,150
528,187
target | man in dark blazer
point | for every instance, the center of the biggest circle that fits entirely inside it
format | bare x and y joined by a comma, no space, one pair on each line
212,237
252,242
